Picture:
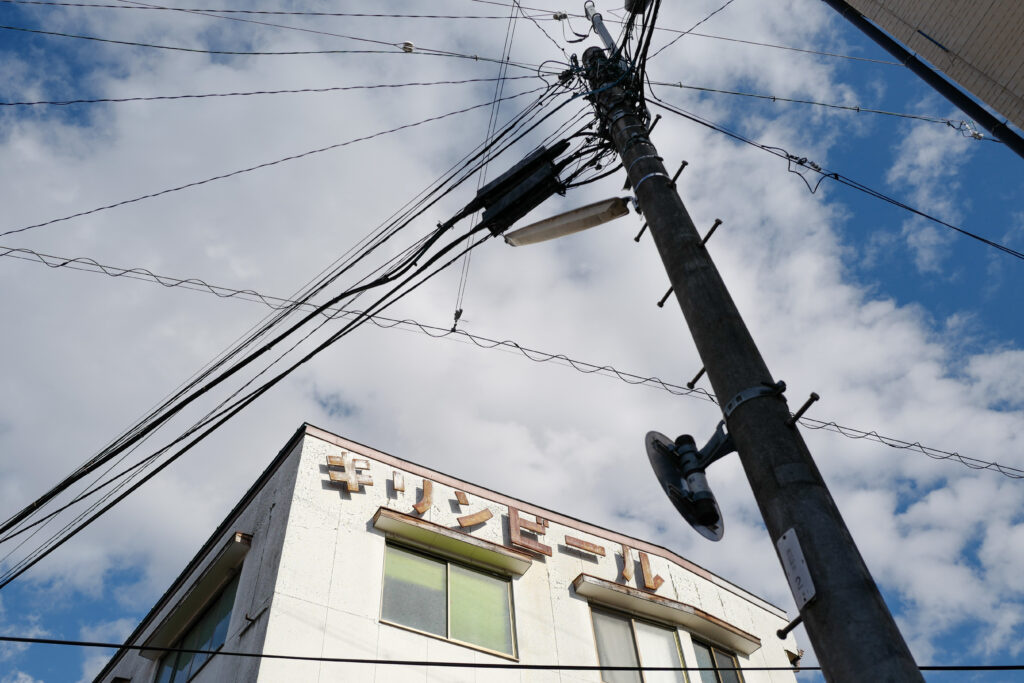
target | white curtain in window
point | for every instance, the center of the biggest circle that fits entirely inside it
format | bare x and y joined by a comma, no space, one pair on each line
615,647
658,647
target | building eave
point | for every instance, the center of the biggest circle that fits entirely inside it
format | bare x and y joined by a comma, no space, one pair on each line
208,547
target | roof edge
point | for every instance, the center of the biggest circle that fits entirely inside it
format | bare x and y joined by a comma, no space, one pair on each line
209,545
567,520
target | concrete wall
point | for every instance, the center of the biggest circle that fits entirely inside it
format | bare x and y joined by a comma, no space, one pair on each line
326,601
978,44
264,518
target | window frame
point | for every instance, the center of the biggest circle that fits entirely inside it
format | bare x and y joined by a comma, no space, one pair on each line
448,562
235,579
633,618
712,649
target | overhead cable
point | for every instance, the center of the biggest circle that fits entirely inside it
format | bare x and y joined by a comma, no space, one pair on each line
132,438
687,31
544,16
397,48
233,406
952,123
267,164
808,166
341,88
521,121
514,666
412,258
89,265
691,32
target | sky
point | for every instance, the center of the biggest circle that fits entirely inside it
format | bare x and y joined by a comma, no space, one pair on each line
903,327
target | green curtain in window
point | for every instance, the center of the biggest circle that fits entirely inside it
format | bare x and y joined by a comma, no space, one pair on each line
414,591
480,612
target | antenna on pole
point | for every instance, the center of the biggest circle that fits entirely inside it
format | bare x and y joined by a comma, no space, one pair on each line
595,18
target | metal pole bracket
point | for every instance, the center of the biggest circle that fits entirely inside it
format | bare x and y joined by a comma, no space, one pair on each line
742,397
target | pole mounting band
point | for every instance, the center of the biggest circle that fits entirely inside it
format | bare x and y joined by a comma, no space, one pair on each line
636,187
642,156
752,393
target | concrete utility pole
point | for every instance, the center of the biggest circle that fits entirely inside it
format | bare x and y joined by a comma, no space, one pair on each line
851,629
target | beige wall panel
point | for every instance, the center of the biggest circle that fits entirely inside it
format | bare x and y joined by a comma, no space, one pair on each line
983,41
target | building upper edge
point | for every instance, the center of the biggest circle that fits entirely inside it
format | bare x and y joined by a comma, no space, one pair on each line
546,513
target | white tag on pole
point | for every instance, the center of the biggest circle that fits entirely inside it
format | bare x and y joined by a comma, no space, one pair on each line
796,568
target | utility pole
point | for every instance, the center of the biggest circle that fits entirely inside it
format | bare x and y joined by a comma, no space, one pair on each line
850,627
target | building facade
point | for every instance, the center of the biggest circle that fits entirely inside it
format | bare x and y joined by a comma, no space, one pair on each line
977,44
340,551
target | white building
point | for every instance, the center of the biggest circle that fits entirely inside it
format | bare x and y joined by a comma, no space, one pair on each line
340,551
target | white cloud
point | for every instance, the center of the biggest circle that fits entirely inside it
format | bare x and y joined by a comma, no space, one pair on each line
22,626
93,353
114,631
19,677
927,167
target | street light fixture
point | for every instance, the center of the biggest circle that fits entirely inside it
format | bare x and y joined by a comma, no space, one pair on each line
567,223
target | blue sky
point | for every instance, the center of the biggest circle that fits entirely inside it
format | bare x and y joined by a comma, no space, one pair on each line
901,326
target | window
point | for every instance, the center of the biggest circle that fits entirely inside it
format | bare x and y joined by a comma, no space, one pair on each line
208,632
708,657
447,600
624,641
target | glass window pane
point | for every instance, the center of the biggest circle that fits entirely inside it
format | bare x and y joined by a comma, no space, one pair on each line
166,673
221,615
704,661
194,641
480,612
657,646
615,647
724,661
414,591
182,665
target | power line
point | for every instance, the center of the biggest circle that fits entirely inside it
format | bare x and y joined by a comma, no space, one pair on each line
785,47
899,444
544,16
134,470
301,29
398,48
809,166
714,37
492,122
504,63
259,166
259,92
515,666
277,303
215,419
955,124
410,259
680,36
404,215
